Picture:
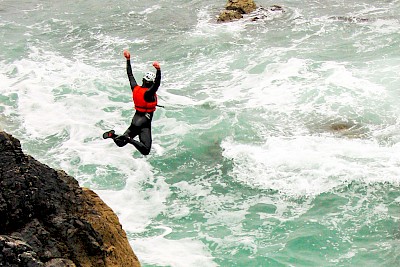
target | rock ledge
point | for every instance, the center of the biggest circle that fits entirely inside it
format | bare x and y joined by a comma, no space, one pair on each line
47,219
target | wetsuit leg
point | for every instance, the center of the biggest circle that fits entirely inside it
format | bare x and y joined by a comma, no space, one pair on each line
144,145
141,125
120,140
131,132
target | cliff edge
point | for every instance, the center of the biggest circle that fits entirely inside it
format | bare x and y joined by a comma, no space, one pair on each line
47,219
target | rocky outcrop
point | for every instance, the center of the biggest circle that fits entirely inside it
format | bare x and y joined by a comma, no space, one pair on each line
229,15
47,219
235,9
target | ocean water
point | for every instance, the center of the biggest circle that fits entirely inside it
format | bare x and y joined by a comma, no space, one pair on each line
279,143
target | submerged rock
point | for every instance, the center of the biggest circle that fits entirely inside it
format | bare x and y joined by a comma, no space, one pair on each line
349,19
47,219
266,12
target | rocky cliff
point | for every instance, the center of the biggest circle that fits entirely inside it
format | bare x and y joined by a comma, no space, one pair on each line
47,219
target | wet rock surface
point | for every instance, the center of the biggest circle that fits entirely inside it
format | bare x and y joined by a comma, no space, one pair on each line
47,219
236,9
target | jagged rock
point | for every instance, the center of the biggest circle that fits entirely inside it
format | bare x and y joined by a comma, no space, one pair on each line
228,15
235,8
60,263
47,219
15,252
242,6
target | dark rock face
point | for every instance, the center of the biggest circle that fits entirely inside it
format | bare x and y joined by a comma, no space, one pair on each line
17,253
44,219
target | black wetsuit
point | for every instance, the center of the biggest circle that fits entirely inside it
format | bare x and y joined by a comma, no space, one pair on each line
141,121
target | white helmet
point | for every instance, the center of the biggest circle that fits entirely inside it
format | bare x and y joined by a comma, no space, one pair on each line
149,76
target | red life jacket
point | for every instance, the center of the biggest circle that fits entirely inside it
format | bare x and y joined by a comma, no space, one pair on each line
141,104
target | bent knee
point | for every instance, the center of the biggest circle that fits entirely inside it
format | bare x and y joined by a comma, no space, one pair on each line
145,151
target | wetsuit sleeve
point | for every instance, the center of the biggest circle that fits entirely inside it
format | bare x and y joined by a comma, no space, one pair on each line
149,94
132,80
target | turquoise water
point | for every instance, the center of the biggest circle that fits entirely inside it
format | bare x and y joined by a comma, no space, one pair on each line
279,143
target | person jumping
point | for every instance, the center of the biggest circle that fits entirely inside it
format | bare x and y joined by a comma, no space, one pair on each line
145,100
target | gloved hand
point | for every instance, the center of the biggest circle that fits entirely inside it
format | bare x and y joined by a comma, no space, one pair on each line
127,55
156,65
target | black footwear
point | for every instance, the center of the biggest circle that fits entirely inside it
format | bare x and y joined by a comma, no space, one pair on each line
109,134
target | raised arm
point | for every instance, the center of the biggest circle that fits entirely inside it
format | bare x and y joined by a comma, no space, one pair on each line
153,89
132,80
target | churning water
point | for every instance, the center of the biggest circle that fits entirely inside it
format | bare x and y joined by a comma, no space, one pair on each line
279,143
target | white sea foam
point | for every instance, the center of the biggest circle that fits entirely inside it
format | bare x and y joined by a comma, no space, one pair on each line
310,165
207,26
46,112
36,86
136,207
148,10
160,250
248,76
